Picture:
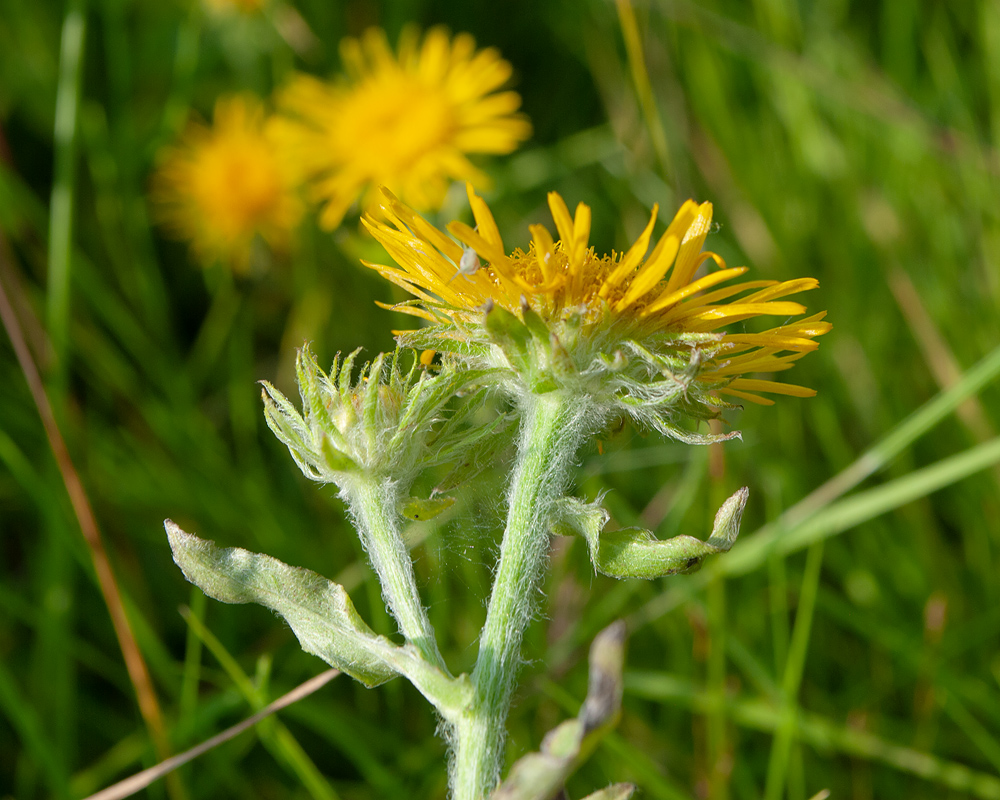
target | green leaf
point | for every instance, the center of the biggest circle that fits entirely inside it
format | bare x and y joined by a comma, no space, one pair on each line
428,396
535,323
540,776
418,509
319,612
692,437
307,373
441,337
616,791
334,459
636,553
512,336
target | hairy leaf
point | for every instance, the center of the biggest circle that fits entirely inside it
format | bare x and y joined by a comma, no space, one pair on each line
539,776
319,612
636,553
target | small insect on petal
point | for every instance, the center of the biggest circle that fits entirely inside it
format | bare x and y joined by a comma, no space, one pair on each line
468,265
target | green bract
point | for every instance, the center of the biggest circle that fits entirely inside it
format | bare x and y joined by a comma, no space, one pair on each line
386,423
658,381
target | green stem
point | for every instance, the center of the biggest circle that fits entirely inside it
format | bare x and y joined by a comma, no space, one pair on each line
553,426
374,505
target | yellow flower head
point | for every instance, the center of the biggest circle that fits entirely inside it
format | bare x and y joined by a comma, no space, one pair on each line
405,121
640,325
219,187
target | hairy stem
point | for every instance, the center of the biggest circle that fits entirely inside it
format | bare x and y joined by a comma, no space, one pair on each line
374,505
553,426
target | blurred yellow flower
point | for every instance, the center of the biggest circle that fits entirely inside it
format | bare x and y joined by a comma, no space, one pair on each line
405,121
220,187
651,303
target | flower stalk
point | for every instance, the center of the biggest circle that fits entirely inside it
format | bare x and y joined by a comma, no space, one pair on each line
553,425
374,505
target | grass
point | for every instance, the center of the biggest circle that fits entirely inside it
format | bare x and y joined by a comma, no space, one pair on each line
848,642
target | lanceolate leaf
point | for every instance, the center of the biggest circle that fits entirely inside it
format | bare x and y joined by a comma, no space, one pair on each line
636,553
539,776
319,612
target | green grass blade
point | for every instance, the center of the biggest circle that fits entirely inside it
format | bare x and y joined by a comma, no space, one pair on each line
852,511
273,735
781,749
821,733
63,188
25,721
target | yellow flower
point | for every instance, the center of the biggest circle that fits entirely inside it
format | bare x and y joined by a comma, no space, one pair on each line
219,187
649,305
405,121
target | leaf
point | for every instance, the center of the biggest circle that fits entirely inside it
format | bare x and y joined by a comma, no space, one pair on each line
286,424
418,509
428,396
512,336
319,612
616,791
539,776
535,323
441,337
636,553
691,437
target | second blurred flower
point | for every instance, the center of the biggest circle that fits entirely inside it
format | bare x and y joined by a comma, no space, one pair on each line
406,120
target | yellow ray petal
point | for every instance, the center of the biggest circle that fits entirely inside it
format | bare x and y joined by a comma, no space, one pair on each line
413,311
720,315
545,250
652,272
484,220
421,227
691,244
632,258
560,215
770,340
581,236
669,298
478,242
783,289
753,398
773,387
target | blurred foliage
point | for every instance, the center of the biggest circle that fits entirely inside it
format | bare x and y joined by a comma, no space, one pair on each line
855,142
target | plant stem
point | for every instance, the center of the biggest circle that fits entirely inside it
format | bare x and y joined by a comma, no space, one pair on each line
552,428
374,505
